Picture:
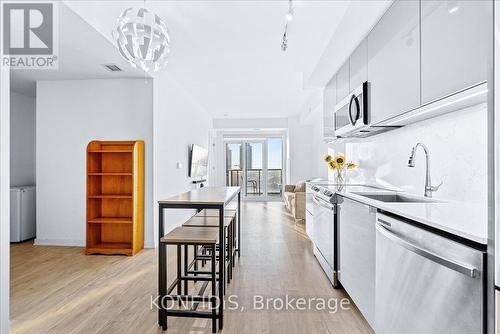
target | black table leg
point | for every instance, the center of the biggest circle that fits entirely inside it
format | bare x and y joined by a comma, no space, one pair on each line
239,224
162,271
179,273
214,301
222,265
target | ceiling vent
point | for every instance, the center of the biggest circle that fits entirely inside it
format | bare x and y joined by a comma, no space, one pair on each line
112,67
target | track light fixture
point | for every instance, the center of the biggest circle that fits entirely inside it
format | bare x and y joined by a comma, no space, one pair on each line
289,18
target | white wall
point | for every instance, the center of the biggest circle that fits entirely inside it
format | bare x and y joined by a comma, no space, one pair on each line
70,114
22,140
250,123
320,148
458,149
302,150
178,122
4,197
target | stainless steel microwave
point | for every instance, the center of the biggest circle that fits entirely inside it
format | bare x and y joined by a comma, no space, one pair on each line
352,113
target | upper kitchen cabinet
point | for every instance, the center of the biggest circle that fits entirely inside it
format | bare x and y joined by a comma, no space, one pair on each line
343,81
394,61
454,46
357,66
329,101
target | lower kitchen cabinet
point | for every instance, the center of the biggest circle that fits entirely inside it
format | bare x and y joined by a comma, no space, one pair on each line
357,254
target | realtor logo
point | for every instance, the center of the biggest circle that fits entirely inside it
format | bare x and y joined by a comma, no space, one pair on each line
29,35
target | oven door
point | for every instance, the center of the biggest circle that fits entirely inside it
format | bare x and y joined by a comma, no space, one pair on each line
351,114
323,230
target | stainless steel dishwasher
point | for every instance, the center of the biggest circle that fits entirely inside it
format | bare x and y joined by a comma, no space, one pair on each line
357,254
426,283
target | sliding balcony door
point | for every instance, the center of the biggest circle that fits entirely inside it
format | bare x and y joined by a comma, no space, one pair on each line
256,165
255,170
274,164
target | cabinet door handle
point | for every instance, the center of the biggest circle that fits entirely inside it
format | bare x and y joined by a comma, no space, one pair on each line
326,206
453,265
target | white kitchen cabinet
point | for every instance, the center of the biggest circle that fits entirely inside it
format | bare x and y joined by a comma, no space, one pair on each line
329,101
394,61
343,81
357,66
455,39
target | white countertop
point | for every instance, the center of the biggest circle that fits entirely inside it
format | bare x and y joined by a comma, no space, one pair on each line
466,220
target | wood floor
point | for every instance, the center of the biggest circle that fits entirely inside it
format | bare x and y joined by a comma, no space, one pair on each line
60,290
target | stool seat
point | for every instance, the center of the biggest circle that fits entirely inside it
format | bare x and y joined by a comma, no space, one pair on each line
202,221
192,236
215,213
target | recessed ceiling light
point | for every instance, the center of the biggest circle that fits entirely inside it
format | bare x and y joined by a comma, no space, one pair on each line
112,67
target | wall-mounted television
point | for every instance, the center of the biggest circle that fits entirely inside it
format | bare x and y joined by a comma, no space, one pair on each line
198,161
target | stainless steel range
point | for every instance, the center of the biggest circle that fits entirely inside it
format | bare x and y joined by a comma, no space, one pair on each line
325,230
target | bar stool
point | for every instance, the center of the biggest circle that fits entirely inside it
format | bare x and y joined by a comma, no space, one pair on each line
194,236
227,213
213,222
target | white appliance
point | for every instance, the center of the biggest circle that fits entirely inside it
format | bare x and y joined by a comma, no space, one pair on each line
22,213
352,115
324,231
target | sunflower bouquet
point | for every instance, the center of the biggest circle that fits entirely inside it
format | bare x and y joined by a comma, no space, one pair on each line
340,166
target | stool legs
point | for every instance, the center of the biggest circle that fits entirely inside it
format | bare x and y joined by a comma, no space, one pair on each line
186,282
195,252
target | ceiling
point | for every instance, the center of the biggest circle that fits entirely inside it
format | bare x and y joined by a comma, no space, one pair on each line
77,60
227,54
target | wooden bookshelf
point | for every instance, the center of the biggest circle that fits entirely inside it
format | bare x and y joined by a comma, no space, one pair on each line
115,197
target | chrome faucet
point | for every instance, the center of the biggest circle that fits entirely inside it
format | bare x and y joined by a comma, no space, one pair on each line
429,188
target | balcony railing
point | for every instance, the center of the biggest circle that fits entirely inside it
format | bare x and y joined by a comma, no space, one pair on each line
255,185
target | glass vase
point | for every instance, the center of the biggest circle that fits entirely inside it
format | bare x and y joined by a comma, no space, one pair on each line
340,178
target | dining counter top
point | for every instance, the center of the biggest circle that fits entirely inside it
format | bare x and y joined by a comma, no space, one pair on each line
205,195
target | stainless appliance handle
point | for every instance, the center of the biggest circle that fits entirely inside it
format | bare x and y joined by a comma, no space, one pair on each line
322,203
352,118
453,265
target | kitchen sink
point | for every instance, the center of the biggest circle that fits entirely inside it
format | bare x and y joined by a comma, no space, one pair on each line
397,198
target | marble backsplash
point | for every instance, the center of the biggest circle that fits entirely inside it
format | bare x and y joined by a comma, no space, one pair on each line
457,143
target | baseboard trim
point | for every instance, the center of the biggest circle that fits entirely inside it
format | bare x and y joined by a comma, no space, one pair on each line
149,245
73,243
59,242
